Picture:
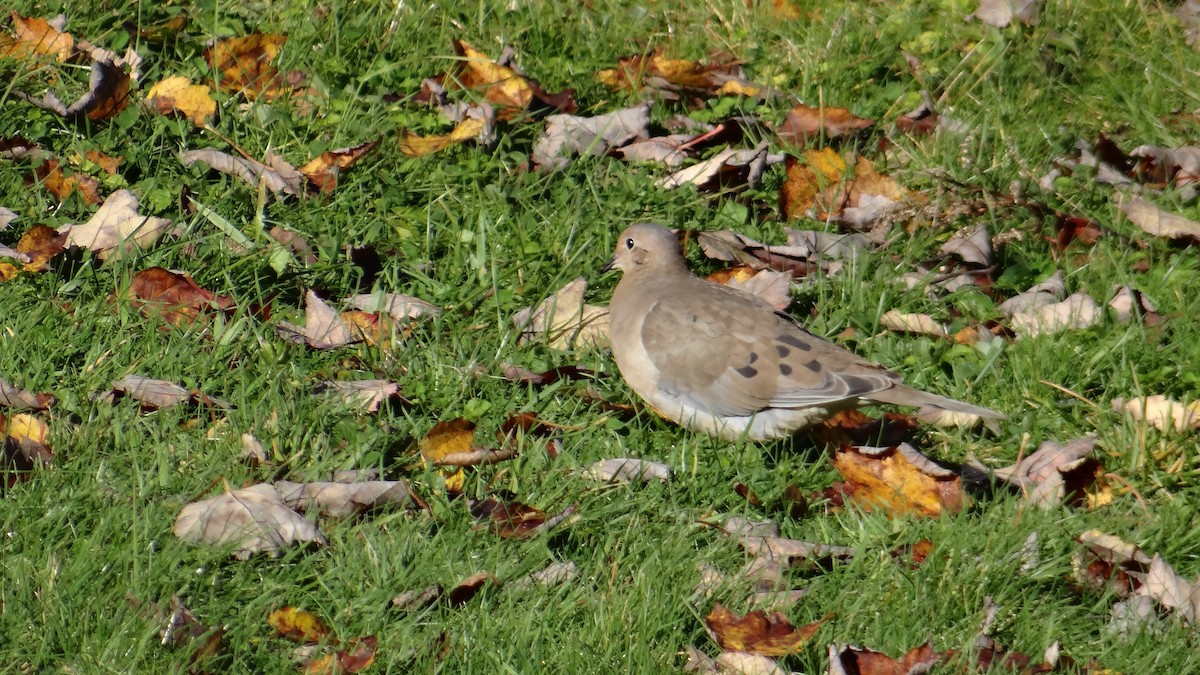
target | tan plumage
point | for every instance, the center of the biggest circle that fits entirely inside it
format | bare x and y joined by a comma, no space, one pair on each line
725,362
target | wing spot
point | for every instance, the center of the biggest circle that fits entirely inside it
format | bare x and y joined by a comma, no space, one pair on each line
782,351
753,357
794,342
747,371
814,366
785,369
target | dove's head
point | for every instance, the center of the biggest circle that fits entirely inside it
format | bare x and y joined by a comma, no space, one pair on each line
646,246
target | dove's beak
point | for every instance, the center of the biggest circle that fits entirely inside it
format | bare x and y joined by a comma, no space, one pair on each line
609,266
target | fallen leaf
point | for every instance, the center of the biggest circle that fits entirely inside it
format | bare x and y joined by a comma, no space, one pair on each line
805,123
323,327
810,176
468,588
274,173
1128,303
1161,412
184,630
107,94
1076,312
1000,13
173,296
1055,474
674,79
28,436
626,470
340,500
51,176
1159,223
972,245
564,320
251,520
793,549
1108,563
758,633
38,246
365,395
158,394
33,37
245,65
1180,166
324,169
1045,293
178,95
566,136
769,285
299,625
15,397
399,307
116,227
554,574
509,91
899,480
357,656
1170,590
917,324
516,520
729,169
847,660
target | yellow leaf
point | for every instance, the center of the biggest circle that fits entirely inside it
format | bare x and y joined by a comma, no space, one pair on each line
419,146
298,625
177,94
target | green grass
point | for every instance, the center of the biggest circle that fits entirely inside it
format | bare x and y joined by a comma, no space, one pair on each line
468,230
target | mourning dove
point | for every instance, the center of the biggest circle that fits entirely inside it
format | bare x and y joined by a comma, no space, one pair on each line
725,362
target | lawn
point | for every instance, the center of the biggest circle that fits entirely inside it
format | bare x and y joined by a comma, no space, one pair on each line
92,572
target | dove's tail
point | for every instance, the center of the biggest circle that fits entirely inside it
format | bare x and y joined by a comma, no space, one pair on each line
905,395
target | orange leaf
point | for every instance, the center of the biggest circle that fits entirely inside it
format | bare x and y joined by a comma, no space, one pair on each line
323,169
502,86
245,63
804,123
900,481
61,186
759,633
298,625
36,37
419,146
41,243
809,177
356,658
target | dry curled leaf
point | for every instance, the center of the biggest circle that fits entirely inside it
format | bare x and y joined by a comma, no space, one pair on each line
1055,474
107,94
1000,13
116,227
1160,223
299,625
848,660
15,397
509,91
250,520
731,168
758,633
51,176
274,173
245,65
34,37
626,470
1076,312
675,79
554,574
516,520
399,307
917,324
24,447
323,327
365,395
772,286
323,170
564,320
900,481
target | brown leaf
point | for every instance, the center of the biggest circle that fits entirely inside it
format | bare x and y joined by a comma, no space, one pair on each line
855,661
916,324
805,123
470,587
177,95
899,480
357,656
252,519
566,136
365,395
38,245
274,173
183,629
729,169
173,296
15,397
569,373
673,79
758,633
809,176
514,519
61,186
564,320
1159,223
299,625
116,227
1055,474
340,500
33,37
107,95
324,169
1108,563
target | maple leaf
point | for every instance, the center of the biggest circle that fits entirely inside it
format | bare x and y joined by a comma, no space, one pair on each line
759,633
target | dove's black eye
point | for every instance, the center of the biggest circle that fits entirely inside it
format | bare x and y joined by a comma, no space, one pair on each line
629,243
